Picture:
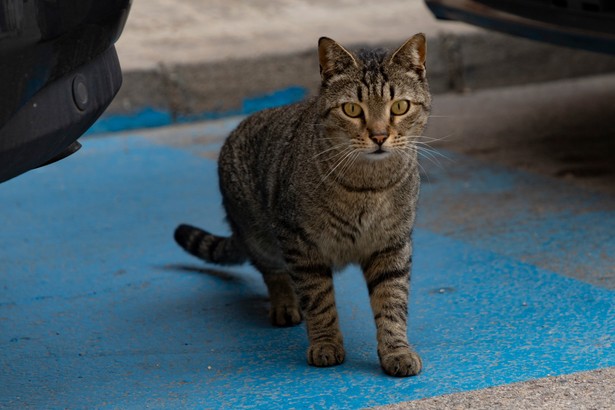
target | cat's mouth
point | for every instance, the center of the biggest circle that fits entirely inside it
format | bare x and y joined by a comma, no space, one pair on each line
379,151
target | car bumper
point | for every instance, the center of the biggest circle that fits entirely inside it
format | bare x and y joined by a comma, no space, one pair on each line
50,122
594,31
58,72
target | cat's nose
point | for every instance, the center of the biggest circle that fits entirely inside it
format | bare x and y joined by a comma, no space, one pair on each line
378,137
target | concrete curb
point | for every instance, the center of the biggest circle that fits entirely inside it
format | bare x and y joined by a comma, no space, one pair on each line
456,63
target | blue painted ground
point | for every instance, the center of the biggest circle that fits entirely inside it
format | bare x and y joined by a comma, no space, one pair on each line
100,309
150,117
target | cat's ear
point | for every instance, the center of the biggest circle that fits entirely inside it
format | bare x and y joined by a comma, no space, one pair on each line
411,55
333,58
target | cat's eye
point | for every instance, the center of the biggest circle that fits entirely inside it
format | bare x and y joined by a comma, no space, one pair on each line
352,110
400,107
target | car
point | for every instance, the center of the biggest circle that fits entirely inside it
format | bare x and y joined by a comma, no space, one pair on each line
58,72
583,24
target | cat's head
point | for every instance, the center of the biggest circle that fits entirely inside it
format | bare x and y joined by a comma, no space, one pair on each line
374,102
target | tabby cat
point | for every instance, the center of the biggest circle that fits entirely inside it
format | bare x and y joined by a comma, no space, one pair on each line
312,187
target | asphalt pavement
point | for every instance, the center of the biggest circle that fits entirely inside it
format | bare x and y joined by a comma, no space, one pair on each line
512,298
511,304
185,60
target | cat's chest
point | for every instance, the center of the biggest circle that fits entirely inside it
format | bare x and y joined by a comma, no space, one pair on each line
351,230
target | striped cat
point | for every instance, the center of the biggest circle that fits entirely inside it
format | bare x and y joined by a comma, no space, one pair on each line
312,187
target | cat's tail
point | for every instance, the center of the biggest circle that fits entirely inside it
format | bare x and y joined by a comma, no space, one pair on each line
210,248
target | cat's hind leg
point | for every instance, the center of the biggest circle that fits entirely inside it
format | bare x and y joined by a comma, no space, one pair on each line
284,310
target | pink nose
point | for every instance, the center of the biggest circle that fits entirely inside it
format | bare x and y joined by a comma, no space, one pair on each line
379,137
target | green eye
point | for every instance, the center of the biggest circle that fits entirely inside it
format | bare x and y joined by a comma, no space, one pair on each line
352,110
400,107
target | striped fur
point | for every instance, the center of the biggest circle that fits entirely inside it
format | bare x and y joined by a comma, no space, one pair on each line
210,248
308,190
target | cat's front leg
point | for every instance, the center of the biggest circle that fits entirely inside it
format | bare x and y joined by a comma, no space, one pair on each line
314,286
387,273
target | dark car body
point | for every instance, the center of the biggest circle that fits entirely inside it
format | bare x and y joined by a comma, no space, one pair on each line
58,72
584,24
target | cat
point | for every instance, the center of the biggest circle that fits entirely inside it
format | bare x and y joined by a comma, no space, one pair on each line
311,187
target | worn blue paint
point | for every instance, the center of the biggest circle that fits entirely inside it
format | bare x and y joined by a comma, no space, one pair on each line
152,117
98,310
145,118
531,218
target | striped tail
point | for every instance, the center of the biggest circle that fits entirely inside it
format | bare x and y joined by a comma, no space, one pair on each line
210,248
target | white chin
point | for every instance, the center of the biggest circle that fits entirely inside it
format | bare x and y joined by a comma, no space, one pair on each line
377,155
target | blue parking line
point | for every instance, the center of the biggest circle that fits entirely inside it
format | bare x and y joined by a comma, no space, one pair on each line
100,309
149,117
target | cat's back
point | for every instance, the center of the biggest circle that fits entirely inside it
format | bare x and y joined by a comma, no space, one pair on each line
260,154
268,130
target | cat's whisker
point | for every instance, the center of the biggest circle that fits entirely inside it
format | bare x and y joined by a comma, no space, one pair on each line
429,155
335,155
424,149
339,163
334,147
424,146
348,165
426,139
423,170
437,139
434,152
410,152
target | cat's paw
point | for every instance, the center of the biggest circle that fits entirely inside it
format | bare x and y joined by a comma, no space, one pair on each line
323,354
401,363
285,315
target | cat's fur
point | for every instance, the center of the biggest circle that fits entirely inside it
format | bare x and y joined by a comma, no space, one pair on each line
307,193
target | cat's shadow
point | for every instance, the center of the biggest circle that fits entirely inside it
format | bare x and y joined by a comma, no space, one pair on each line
247,303
252,307
223,275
